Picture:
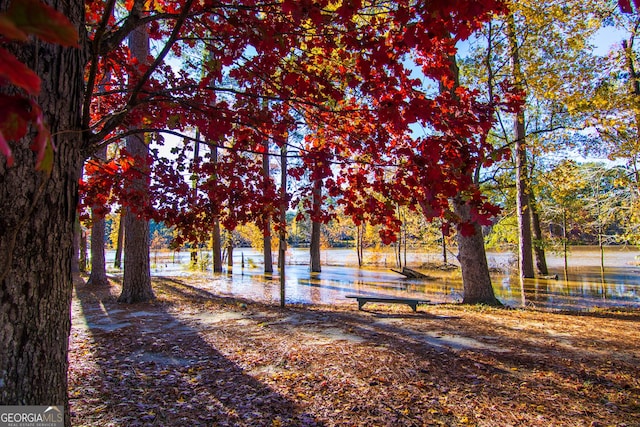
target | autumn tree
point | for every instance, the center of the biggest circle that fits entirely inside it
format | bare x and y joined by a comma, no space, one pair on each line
38,196
367,124
543,48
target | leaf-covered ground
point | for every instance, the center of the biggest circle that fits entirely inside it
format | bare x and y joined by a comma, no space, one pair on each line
191,358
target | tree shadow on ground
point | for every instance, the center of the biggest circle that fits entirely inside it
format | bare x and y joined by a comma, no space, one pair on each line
147,368
440,366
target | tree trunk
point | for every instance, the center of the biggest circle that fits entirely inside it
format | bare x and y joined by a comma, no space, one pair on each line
359,243
525,255
37,214
444,246
473,261
315,227
82,262
216,247
230,251
266,247
98,276
476,281
538,243
216,240
565,244
282,249
75,261
117,262
136,283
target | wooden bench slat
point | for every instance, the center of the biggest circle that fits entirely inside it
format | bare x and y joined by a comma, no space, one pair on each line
411,302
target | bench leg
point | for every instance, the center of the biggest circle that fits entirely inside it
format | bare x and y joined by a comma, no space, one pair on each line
414,307
361,304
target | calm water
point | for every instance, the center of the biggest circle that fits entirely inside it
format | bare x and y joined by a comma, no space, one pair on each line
584,287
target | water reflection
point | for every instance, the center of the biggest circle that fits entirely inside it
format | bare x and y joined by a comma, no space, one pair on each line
585,286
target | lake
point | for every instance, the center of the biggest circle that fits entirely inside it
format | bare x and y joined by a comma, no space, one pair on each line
583,288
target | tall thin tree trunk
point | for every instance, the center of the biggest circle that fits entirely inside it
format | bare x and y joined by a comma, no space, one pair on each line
82,262
37,215
444,246
315,227
282,249
525,255
98,276
75,261
136,283
359,243
538,243
230,251
565,243
266,247
117,262
216,240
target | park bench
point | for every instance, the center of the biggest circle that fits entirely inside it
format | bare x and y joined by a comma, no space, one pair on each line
411,302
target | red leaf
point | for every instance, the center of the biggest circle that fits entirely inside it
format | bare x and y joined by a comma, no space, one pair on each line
34,17
17,73
467,229
9,30
5,150
15,114
625,6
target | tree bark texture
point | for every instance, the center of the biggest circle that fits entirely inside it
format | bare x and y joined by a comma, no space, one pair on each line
315,227
75,261
98,276
476,281
525,254
216,239
136,283
37,215
117,262
282,247
266,247
538,242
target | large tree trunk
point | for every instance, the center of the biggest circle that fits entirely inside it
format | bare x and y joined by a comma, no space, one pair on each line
37,214
476,281
525,254
473,261
136,283
316,266
98,276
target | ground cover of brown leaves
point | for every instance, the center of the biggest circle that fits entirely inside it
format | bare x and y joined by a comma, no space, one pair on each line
191,358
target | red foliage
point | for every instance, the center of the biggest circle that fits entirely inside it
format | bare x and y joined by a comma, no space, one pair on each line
23,18
249,76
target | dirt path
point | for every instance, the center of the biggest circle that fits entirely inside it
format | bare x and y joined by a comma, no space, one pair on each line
191,358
